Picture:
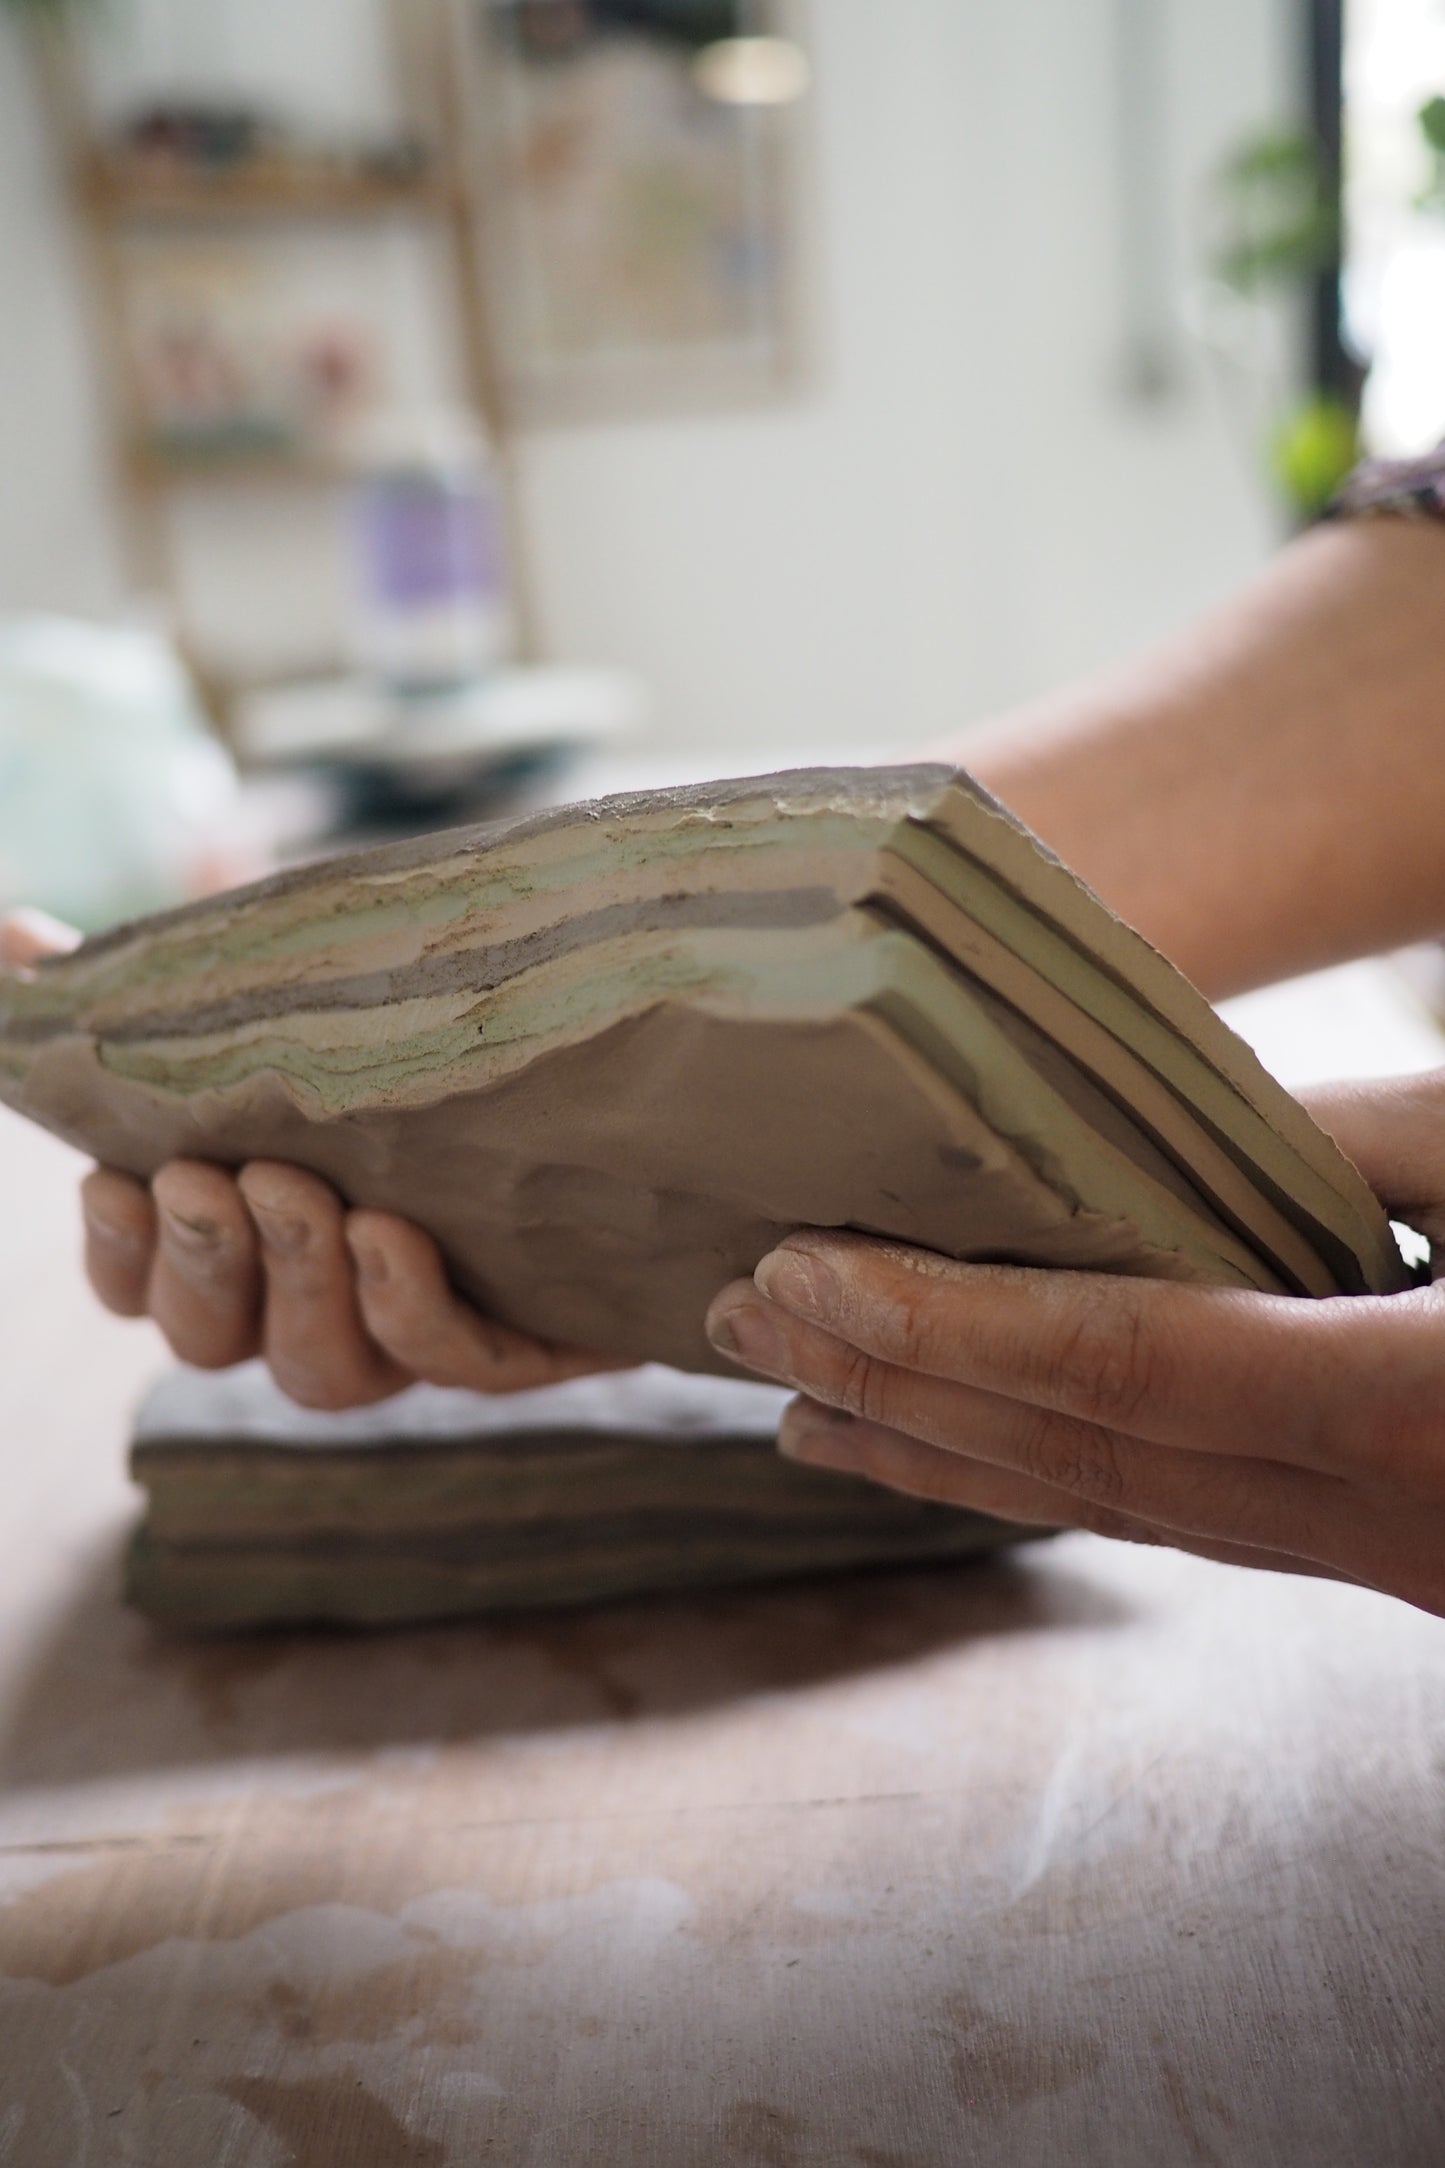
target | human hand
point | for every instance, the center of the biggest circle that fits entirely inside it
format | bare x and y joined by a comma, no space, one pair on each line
1262,1430
346,1306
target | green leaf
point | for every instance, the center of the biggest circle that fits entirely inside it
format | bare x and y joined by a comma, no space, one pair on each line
1272,212
1432,123
1312,451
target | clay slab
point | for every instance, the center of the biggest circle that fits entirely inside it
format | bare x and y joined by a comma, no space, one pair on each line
610,1055
440,1504
1140,996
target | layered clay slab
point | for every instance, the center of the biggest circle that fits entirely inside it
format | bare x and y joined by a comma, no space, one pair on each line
1121,981
443,1504
609,1055
1228,1184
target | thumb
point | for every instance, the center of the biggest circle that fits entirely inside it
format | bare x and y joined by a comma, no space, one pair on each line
27,935
1393,1128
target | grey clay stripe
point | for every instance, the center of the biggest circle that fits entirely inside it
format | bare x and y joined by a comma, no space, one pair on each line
470,970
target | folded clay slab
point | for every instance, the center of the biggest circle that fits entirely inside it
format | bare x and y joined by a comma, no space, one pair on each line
608,1055
443,1504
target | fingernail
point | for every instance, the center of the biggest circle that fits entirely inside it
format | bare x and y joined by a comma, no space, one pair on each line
118,1236
801,1281
279,1230
815,1437
29,935
747,1332
194,1232
371,1266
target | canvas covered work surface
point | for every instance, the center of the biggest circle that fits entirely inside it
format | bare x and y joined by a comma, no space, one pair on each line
443,1504
609,1055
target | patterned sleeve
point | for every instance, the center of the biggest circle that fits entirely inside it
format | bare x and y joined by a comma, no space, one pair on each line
1415,487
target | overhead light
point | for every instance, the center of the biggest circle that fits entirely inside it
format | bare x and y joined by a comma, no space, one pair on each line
752,71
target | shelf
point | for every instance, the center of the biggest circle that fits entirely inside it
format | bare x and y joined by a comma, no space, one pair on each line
121,189
159,466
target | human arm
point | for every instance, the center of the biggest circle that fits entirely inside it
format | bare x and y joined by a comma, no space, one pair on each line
1265,794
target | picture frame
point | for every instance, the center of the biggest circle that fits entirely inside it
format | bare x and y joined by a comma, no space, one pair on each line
641,237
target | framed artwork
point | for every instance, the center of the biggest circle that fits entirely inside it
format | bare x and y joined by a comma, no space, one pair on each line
636,163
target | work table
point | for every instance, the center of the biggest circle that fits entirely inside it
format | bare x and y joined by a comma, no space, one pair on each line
1097,1854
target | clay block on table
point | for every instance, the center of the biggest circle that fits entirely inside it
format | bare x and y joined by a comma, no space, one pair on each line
444,1504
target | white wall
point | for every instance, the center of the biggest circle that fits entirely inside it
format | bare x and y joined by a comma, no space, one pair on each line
970,511
964,508
57,536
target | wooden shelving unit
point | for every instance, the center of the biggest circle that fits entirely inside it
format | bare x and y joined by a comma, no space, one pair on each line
158,464
123,188
119,194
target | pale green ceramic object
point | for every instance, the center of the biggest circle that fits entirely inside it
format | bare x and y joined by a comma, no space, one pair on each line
112,790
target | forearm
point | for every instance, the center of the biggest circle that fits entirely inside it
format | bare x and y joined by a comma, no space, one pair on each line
1266,794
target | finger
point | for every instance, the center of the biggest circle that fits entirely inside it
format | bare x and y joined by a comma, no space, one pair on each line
1394,1131
820,1438
1217,1498
1224,1369
823,1437
28,935
204,1289
412,1311
120,1239
313,1337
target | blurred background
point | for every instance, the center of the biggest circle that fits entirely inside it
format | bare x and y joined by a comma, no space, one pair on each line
412,409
